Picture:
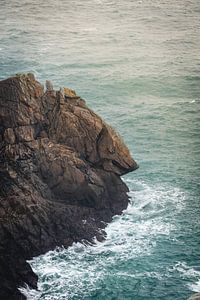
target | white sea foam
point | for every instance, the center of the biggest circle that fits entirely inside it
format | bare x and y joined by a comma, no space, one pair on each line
186,271
30,293
189,273
78,269
195,287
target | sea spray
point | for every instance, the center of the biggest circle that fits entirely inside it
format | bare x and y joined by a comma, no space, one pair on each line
130,252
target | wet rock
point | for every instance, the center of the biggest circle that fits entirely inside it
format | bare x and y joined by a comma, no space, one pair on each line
60,164
195,297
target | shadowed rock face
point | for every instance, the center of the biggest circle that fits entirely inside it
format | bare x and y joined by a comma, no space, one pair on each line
60,168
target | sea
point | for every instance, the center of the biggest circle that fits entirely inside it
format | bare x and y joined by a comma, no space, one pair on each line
137,64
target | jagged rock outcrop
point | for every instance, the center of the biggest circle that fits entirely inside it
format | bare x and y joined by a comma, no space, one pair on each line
60,168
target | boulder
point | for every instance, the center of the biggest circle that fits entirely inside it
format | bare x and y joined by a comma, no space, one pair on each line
60,168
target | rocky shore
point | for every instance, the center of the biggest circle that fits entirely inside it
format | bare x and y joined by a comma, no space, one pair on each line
60,168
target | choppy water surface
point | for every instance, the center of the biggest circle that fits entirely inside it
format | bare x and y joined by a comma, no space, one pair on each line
137,64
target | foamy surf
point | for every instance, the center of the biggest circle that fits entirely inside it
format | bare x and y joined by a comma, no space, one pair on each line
195,287
80,270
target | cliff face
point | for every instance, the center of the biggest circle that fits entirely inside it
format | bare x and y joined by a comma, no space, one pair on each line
60,168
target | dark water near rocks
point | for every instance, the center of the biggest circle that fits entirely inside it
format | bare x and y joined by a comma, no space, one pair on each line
137,64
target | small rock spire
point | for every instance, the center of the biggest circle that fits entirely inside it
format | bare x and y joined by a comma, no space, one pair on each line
49,86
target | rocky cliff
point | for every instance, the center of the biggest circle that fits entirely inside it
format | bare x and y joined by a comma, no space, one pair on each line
60,168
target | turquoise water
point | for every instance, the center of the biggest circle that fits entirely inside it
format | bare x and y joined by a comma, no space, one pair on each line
137,63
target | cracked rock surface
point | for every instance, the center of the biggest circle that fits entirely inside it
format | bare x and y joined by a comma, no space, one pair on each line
60,168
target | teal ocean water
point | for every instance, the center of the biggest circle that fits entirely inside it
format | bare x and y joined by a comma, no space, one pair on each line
137,64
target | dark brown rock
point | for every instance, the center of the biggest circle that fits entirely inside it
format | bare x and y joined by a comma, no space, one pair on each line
60,168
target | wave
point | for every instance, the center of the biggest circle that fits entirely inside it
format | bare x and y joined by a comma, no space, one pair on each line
190,273
76,272
195,287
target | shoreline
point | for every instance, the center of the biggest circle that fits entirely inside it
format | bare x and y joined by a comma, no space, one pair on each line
60,175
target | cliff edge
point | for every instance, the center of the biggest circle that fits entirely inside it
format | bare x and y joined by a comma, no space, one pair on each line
60,168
